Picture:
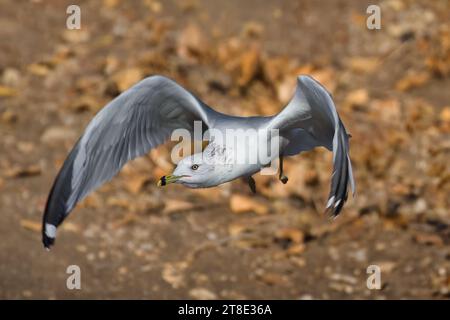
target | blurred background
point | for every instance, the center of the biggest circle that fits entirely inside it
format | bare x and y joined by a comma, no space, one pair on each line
134,240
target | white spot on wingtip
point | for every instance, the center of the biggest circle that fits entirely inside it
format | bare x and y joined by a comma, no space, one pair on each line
330,202
337,203
50,230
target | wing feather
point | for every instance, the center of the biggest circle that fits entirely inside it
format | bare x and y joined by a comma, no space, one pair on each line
309,120
139,119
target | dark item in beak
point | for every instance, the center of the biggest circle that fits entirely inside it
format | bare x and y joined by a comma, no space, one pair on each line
162,181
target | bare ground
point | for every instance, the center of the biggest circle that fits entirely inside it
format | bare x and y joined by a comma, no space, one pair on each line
133,240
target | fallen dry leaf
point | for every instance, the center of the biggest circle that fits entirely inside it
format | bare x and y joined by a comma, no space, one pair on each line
91,201
173,273
126,220
271,278
76,35
249,66
38,69
413,80
7,91
85,103
154,6
357,98
192,43
296,249
252,29
173,205
123,203
286,89
445,119
274,69
236,229
111,65
110,3
292,235
70,226
11,77
188,5
56,136
437,52
363,64
202,294
135,183
428,239
267,106
124,79
31,225
445,115
22,172
388,110
386,266
9,116
160,158
240,204
326,77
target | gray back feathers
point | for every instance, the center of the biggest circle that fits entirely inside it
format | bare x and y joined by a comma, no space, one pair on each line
144,117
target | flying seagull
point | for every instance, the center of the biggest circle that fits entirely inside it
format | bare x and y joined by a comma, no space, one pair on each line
145,115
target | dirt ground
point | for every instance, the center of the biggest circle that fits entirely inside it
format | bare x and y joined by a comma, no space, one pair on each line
134,240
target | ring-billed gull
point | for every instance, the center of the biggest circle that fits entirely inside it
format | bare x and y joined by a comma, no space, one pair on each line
144,116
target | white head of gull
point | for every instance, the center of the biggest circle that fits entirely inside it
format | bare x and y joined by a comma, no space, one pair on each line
144,116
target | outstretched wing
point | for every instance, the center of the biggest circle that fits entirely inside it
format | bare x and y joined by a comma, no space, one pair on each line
139,119
310,120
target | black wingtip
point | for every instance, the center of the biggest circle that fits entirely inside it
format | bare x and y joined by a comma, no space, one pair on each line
335,206
48,242
48,235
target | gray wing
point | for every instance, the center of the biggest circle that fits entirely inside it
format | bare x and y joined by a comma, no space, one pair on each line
310,120
139,119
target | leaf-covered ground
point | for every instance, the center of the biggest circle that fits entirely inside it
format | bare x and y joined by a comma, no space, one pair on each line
134,240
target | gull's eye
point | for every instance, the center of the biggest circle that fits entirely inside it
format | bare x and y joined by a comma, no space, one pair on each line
194,167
